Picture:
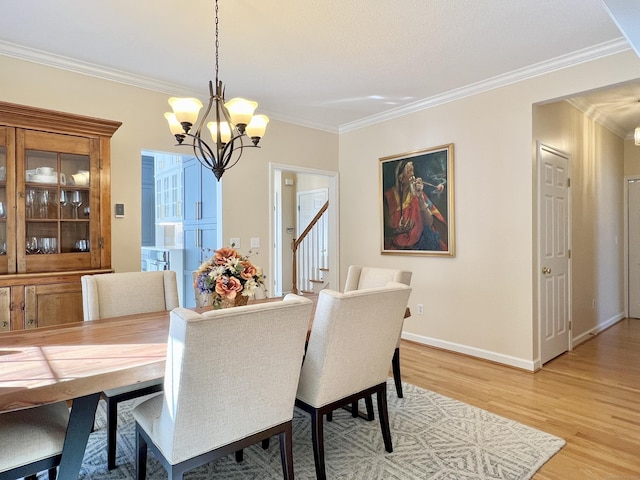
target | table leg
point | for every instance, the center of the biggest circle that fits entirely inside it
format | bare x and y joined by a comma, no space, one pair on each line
81,418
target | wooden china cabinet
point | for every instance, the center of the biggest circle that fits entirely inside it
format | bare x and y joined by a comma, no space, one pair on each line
55,212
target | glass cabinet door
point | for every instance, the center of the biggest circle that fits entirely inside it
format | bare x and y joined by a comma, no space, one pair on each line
6,193
57,202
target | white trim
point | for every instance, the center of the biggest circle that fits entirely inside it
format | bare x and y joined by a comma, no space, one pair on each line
73,65
581,56
472,351
597,329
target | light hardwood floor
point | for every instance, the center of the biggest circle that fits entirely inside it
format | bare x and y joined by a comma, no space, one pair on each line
590,397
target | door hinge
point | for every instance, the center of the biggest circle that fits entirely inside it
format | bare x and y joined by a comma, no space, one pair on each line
568,182
569,324
569,253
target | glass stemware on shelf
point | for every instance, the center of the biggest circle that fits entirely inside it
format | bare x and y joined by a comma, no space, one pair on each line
43,199
76,201
62,200
30,200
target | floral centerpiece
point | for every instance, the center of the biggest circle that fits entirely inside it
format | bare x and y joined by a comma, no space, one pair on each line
229,277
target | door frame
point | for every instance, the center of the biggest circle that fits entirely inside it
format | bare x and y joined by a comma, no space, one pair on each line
275,173
625,254
538,263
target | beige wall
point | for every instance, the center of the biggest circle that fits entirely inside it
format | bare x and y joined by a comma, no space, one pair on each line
631,158
245,192
480,302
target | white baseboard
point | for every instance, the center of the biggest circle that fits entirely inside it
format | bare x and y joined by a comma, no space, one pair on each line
472,351
575,341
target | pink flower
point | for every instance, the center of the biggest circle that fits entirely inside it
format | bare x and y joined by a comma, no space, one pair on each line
248,270
228,287
221,255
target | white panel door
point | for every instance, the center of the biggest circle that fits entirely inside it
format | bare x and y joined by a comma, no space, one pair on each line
633,222
554,287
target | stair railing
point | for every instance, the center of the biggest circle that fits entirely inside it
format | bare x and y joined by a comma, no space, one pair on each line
312,249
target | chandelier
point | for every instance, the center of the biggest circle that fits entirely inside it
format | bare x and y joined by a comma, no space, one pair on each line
232,124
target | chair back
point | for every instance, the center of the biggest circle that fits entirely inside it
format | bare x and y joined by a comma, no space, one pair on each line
116,294
230,373
359,277
360,328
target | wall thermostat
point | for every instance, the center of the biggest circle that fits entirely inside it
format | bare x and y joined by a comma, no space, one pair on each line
119,209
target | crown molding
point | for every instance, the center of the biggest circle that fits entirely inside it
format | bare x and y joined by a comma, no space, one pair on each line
597,116
581,56
85,68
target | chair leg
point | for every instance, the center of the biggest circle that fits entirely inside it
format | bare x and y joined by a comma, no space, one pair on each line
141,456
383,413
368,401
53,473
396,372
286,452
239,455
317,438
265,444
112,425
354,409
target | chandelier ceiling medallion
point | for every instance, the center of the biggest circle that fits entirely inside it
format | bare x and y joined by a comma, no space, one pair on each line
231,127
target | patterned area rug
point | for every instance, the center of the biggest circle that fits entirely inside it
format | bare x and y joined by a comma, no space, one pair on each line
434,437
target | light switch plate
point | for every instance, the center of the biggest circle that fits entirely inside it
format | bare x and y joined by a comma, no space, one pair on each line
255,242
234,242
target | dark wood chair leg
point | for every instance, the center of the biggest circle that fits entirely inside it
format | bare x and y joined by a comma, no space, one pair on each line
354,409
317,437
239,455
265,443
383,413
141,456
286,452
53,473
368,401
396,372
112,425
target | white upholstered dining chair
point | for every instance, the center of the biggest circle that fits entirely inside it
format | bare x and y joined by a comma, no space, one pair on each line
359,277
31,440
118,294
230,381
357,327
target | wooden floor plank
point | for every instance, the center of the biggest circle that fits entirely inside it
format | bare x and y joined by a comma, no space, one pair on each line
590,397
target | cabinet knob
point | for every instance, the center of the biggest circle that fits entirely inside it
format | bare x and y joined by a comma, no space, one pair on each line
5,324
31,322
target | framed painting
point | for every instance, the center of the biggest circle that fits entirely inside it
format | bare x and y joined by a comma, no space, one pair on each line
416,202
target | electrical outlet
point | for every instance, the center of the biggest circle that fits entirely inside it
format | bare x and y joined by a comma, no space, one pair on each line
420,309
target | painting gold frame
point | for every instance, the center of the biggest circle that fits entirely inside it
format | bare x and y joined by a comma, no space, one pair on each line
416,202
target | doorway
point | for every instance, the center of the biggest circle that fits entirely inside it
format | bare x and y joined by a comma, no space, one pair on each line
285,182
554,242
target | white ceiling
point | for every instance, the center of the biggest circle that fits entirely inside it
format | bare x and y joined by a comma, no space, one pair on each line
329,64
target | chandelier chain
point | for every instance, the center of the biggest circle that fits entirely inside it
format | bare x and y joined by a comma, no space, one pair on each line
217,42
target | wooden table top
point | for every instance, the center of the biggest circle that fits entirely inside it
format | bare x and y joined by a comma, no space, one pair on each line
63,362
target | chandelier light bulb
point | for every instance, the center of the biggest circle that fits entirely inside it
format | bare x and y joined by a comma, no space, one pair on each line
241,111
636,136
225,132
257,127
186,110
